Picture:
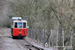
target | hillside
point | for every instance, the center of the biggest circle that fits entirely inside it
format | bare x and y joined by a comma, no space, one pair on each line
4,10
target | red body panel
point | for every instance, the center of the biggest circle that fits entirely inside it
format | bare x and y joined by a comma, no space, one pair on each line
17,31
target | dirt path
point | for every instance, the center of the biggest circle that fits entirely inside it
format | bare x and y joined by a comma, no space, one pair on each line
7,43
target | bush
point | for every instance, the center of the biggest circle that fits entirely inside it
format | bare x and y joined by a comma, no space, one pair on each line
7,25
10,16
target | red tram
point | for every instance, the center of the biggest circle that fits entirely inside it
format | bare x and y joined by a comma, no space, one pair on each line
18,27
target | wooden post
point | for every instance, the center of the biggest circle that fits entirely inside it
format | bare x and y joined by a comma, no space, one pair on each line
71,40
37,36
63,38
57,39
43,38
31,33
50,38
27,32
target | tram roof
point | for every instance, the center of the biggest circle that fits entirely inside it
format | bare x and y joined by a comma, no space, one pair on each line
16,18
19,21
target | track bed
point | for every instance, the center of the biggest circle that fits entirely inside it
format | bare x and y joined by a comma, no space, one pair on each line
7,43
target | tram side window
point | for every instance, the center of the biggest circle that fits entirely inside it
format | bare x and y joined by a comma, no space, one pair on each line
15,24
24,25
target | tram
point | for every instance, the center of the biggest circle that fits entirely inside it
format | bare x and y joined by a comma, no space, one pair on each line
18,27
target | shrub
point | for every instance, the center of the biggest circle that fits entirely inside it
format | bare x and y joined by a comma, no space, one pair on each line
6,24
10,16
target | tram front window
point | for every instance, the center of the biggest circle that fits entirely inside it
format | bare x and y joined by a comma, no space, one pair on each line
19,25
15,25
24,25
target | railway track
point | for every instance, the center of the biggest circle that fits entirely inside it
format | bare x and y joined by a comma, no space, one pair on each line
21,44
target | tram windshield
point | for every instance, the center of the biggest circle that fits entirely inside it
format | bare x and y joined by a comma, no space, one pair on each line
20,25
